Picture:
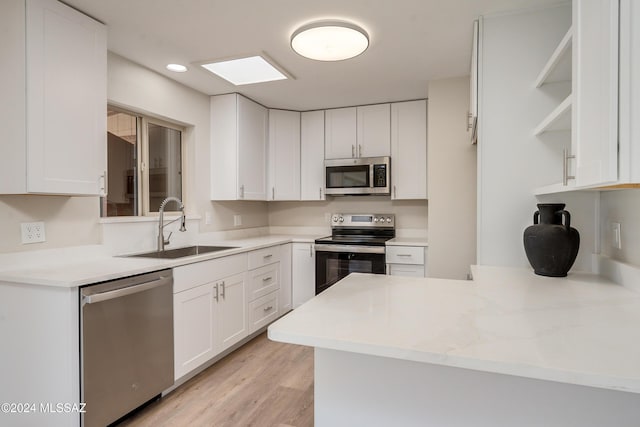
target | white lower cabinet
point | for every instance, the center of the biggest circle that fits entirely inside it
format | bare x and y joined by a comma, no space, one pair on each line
263,311
303,273
209,310
410,261
285,296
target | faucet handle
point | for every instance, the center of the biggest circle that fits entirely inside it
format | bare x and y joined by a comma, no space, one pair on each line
166,241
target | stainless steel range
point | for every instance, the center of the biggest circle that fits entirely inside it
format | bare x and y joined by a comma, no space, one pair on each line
356,245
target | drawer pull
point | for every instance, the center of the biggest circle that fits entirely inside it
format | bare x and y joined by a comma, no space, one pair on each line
268,308
268,256
404,255
266,279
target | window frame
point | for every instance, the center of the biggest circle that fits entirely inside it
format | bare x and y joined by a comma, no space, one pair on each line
142,163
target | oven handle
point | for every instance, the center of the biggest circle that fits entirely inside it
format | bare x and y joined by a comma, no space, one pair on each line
320,247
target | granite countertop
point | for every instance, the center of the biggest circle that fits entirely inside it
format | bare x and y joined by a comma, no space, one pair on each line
581,329
83,265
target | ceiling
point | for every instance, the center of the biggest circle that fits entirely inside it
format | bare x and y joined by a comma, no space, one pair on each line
411,43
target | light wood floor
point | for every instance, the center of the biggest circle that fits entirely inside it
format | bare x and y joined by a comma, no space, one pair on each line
263,383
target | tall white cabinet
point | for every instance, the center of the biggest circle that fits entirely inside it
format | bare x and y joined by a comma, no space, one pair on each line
284,155
409,150
54,99
303,273
238,148
312,155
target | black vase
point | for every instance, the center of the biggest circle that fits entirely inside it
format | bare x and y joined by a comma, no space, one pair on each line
551,247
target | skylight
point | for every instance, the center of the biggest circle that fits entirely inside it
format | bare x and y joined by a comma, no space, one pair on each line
244,71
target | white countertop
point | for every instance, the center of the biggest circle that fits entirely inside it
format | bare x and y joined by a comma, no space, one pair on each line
78,266
581,329
407,241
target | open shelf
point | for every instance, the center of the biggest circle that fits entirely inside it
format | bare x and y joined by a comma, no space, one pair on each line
558,67
559,119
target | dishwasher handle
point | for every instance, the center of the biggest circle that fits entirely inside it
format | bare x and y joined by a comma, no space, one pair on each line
109,295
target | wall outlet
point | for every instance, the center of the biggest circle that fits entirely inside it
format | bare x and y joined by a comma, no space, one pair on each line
616,238
32,232
237,220
208,217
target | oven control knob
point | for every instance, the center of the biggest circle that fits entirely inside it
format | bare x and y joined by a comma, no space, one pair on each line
388,219
335,219
341,219
375,219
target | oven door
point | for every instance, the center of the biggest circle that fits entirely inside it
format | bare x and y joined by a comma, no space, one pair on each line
334,262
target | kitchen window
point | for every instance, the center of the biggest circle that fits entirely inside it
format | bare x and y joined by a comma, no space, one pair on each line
144,163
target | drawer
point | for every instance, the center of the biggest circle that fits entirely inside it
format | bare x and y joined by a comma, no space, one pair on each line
263,311
405,255
264,256
406,270
192,275
264,280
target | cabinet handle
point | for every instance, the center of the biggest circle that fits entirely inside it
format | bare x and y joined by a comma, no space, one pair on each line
403,255
359,150
266,279
268,308
273,193
267,256
353,150
320,193
217,294
242,191
395,192
310,251
223,290
105,184
469,121
565,167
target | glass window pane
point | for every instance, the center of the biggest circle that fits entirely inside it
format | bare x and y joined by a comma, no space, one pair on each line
165,165
122,140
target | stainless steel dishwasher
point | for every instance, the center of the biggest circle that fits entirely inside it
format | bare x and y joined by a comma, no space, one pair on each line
126,344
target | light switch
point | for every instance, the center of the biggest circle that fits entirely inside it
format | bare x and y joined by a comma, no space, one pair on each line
616,239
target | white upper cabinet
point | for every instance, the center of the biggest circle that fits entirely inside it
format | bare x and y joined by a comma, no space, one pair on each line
284,155
374,130
340,133
409,150
357,132
595,91
312,155
54,99
238,148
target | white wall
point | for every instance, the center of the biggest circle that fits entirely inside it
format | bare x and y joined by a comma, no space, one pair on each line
411,215
622,206
512,162
452,181
136,88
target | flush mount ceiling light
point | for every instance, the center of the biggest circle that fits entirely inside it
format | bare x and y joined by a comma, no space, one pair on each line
178,68
330,40
244,71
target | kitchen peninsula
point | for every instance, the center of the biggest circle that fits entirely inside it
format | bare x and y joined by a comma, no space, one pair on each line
509,348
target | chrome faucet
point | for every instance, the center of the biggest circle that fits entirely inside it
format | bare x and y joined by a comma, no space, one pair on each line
161,225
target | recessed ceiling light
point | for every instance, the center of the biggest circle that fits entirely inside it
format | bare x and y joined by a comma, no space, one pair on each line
244,71
330,40
178,68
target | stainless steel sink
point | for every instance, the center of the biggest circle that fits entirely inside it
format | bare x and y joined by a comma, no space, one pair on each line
182,252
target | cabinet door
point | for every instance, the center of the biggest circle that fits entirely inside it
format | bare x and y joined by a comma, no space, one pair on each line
231,311
193,328
66,100
374,134
285,295
340,133
224,147
409,150
252,138
595,91
312,156
303,273
284,155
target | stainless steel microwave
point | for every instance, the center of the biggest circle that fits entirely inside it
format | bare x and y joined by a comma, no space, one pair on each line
365,175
